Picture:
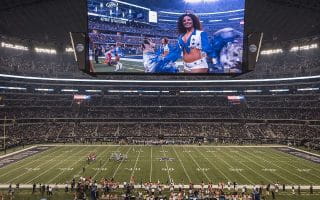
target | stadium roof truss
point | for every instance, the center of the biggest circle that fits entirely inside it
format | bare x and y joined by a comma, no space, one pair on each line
39,19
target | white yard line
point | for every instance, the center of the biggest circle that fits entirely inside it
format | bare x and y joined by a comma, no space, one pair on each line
135,164
302,158
184,169
151,165
38,166
170,180
104,164
51,180
225,176
115,172
15,152
246,166
205,174
28,163
232,167
22,174
295,166
52,167
262,167
284,169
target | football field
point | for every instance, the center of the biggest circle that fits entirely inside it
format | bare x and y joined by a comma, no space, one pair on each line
132,64
128,67
250,165
180,164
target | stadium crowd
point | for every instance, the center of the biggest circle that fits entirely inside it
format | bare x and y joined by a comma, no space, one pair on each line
14,61
162,133
128,40
163,29
132,29
300,63
161,119
37,105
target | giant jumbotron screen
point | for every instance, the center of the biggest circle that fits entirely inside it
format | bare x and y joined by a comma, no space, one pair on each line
166,37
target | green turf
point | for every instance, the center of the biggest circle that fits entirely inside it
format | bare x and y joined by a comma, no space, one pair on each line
128,67
254,165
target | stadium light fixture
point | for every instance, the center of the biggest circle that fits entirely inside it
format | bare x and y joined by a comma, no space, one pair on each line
150,91
293,49
305,47
123,91
208,91
14,46
13,88
280,90
308,89
253,91
94,91
48,51
271,51
183,91
234,19
229,91
69,50
215,20
44,90
69,90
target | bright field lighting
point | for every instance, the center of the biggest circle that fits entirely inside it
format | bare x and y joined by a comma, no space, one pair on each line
271,51
69,50
14,46
48,51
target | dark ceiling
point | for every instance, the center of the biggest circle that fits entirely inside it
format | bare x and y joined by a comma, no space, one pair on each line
51,20
44,20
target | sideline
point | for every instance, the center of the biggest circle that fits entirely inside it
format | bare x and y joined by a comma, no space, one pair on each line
307,152
15,152
175,145
239,187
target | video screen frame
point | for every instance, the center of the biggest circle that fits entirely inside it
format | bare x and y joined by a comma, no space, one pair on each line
90,69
